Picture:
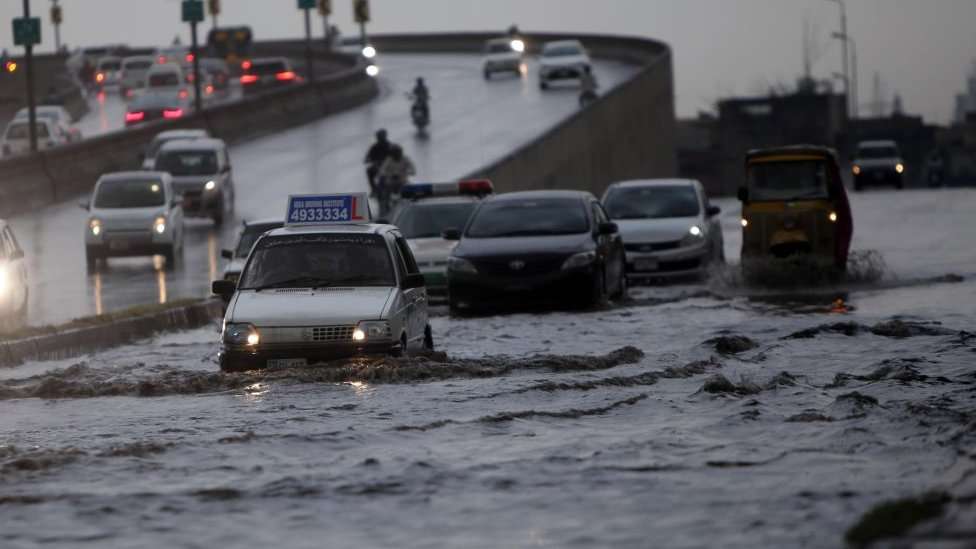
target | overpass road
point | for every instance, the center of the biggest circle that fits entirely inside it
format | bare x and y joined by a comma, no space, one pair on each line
474,122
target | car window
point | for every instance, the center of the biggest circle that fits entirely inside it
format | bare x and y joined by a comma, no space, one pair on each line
249,236
268,67
138,65
658,202
21,130
788,180
180,163
529,217
109,66
306,260
431,220
143,193
407,255
164,79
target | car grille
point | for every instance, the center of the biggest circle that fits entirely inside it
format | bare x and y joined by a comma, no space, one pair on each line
652,247
329,333
686,265
520,266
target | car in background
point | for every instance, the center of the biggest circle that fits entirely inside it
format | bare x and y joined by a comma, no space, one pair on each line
553,247
57,113
425,212
245,241
668,226
268,73
878,163
218,74
156,105
13,278
173,55
168,78
562,60
148,157
133,214
134,72
500,55
108,71
16,138
202,174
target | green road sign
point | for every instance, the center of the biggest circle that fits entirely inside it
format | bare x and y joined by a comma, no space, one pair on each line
27,32
306,4
192,11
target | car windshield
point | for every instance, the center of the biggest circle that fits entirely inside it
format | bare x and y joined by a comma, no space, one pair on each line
869,153
318,260
653,202
250,236
41,112
144,193
561,51
499,47
21,130
268,67
431,220
164,79
187,162
788,180
529,217
109,66
138,65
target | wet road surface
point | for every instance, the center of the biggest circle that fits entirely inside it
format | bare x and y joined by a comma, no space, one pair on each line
474,122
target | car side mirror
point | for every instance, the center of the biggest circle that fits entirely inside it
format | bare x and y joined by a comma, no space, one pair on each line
451,234
412,281
713,211
85,205
743,194
223,288
608,229
227,254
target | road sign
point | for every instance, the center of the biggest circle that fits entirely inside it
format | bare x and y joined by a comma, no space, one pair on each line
360,9
27,32
325,7
329,209
306,4
57,16
192,11
213,6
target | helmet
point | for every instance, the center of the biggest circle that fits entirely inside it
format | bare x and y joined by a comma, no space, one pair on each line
381,135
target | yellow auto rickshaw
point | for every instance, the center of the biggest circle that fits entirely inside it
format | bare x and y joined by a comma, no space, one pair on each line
794,204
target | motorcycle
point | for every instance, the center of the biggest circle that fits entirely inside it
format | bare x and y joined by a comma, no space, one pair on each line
420,113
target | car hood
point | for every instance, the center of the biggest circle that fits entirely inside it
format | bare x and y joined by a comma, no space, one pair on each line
431,249
653,231
473,248
303,307
564,61
127,218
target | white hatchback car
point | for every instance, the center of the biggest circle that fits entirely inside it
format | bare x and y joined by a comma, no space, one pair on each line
148,157
501,55
16,139
668,226
134,214
13,277
562,60
134,72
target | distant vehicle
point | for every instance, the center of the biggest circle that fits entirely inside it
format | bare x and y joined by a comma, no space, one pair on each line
173,55
217,72
57,113
202,174
249,235
794,204
149,156
501,56
555,247
133,214
16,139
156,105
134,72
425,212
13,277
562,60
878,163
269,73
668,227
92,54
108,71
168,78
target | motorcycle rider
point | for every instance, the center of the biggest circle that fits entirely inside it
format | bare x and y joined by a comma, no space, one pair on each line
393,175
588,87
421,97
375,158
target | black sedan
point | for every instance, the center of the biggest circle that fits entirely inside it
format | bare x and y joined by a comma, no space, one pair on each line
551,247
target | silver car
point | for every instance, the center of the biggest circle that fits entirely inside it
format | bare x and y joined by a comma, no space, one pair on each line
668,226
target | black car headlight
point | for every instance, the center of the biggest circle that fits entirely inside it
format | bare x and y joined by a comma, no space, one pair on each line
580,260
461,265
241,334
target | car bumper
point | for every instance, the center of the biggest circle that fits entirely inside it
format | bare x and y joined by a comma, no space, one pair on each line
671,264
129,243
570,73
235,359
472,291
200,203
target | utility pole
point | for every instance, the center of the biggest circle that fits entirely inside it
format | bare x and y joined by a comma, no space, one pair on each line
56,17
306,6
843,32
27,32
854,96
193,14
361,13
325,10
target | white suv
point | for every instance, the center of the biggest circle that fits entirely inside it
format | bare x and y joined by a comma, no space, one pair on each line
501,55
563,60
878,163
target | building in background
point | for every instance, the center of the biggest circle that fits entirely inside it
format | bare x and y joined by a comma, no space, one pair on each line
966,101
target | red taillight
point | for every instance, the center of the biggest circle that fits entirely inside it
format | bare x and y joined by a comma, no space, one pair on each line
189,58
162,59
246,65
184,94
249,79
100,77
11,67
210,90
137,116
476,187
170,114
285,76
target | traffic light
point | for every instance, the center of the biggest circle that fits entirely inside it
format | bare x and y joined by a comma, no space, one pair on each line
361,10
9,65
325,7
213,6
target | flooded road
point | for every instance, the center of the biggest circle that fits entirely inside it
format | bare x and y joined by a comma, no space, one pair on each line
689,416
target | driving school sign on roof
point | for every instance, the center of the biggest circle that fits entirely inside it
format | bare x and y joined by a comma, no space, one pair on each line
328,209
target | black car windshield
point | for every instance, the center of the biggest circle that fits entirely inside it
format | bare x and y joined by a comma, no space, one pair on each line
265,68
529,217
130,194
180,163
318,261
561,51
430,220
653,202
788,180
870,153
250,236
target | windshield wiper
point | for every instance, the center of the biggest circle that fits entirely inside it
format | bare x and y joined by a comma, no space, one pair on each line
299,282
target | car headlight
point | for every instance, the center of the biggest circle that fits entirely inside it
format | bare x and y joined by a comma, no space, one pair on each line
372,330
95,225
518,46
856,169
900,168
210,185
241,334
695,236
461,265
584,259
159,225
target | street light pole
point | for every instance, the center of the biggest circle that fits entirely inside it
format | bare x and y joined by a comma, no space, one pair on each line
31,103
57,29
843,31
852,82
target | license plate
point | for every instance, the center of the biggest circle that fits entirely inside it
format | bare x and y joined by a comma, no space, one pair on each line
878,175
118,245
287,363
646,265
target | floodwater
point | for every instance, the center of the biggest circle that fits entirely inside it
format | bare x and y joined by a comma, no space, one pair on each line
708,415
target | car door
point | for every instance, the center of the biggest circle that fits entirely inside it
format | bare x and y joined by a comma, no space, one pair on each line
609,247
416,297
17,271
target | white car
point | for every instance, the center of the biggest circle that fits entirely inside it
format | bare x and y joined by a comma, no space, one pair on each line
13,277
668,226
313,293
168,78
202,175
177,55
249,235
134,214
135,69
57,113
425,212
16,138
108,71
502,55
878,163
149,156
562,60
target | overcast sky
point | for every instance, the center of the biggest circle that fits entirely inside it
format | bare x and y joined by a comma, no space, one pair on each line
922,49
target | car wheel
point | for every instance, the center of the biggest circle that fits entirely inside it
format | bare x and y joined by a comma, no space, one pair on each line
621,293
91,260
170,257
598,290
428,340
401,350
